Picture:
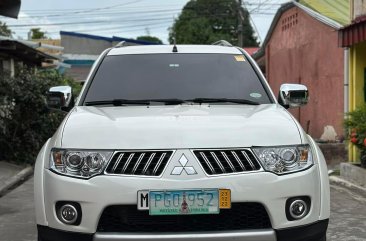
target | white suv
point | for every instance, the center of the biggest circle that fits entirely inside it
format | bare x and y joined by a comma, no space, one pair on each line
180,143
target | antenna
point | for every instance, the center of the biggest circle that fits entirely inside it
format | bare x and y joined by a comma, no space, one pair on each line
175,49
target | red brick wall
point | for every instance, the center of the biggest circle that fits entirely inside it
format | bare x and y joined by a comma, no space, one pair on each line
304,50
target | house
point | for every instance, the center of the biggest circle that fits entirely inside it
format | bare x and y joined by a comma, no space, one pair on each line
301,47
353,39
15,52
251,50
81,50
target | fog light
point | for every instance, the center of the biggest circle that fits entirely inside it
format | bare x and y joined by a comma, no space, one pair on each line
298,209
68,214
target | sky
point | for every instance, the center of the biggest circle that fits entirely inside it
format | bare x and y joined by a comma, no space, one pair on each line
123,18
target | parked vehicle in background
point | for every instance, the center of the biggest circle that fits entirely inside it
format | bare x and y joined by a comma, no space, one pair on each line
181,143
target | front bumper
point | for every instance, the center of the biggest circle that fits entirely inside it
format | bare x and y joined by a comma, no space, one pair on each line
98,193
312,232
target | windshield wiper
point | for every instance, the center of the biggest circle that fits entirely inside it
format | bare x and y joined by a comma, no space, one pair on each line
223,100
120,102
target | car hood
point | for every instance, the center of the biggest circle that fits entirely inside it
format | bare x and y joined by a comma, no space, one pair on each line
180,126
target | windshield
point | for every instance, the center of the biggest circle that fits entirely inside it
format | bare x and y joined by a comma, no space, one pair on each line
176,76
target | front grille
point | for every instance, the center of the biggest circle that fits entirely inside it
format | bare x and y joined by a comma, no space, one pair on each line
149,163
126,218
227,161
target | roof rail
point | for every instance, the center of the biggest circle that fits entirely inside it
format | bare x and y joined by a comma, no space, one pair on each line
222,43
120,44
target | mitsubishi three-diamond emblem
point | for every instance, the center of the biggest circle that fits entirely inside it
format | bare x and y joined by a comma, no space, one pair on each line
183,161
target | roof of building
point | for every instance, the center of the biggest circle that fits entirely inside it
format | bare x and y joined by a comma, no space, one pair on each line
353,34
108,39
337,10
251,50
325,11
159,49
21,50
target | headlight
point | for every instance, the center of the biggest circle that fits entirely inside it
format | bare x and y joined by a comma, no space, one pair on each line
79,163
284,159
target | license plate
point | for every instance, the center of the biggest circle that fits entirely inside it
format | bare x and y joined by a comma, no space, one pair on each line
184,202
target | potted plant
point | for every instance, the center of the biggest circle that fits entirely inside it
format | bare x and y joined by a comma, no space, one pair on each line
355,124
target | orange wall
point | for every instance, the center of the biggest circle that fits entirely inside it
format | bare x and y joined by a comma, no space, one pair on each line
304,50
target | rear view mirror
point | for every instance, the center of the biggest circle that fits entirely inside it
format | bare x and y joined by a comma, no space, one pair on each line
60,97
293,95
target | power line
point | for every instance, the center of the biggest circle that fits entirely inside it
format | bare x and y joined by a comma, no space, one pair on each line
83,22
121,17
97,9
102,12
92,9
130,27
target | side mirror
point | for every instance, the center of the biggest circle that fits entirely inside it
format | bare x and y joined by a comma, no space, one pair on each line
293,95
60,97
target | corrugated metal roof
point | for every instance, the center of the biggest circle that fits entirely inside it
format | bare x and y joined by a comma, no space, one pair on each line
32,46
109,39
337,10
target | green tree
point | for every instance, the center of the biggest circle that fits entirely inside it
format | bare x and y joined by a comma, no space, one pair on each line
150,39
25,121
207,21
4,30
36,33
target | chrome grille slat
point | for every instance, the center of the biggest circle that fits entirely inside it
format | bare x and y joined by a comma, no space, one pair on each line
138,162
207,162
146,163
117,162
159,163
248,158
238,160
127,163
216,162
228,161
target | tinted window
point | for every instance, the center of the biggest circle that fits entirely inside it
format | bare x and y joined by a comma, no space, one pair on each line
182,76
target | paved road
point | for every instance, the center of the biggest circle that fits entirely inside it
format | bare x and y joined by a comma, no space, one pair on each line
347,223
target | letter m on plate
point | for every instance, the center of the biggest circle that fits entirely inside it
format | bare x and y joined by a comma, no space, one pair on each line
143,200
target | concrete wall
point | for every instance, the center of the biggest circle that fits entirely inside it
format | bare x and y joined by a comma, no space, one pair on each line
303,50
80,45
78,73
334,153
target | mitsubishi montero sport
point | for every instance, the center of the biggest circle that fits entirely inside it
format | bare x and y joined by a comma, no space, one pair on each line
180,143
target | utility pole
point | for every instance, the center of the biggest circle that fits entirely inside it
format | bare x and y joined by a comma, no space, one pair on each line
240,25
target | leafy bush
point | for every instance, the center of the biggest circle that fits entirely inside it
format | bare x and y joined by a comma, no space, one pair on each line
25,121
355,124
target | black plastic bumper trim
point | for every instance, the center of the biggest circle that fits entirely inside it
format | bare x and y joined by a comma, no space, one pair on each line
312,232
51,234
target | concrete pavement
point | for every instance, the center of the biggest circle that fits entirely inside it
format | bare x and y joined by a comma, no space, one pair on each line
347,222
17,218
348,215
7,170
